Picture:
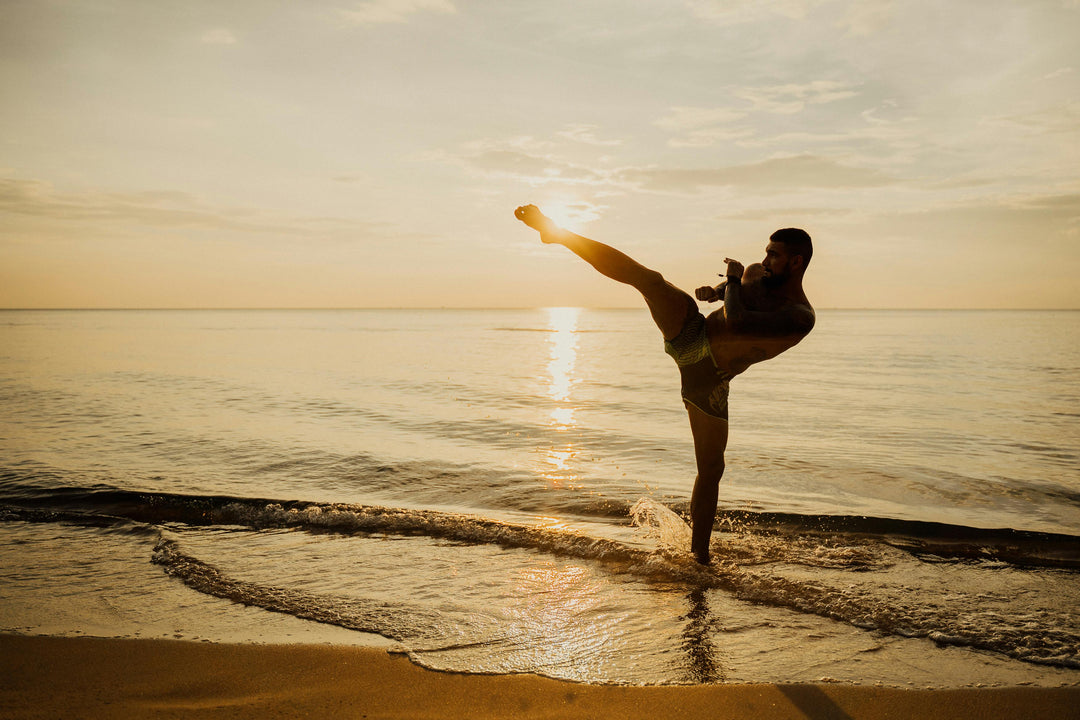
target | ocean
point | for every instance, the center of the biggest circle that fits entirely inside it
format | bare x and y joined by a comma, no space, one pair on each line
505,491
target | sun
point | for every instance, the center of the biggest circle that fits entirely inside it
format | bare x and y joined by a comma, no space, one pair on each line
569,212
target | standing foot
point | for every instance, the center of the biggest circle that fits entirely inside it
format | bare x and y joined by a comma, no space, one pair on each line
702,556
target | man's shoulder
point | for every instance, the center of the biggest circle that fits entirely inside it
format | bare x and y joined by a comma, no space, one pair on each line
802,313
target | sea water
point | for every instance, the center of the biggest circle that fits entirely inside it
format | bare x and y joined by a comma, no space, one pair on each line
506,491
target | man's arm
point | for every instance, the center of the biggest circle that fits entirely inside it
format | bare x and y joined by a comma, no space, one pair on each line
788,320
710,294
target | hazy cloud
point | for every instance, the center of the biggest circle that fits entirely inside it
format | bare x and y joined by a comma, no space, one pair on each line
733,12
525,159
1058,73
701,127
586,134
762,214
1053,120
704,126
883,113
513,162
682,118
710,136
533,168
803,171
1000,223
218,36
39,199
793,97
162,209
866,17
1062,208
376,12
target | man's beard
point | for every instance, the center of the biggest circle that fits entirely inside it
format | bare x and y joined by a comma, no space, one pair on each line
773,281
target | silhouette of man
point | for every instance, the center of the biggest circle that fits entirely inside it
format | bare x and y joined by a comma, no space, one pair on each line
757,322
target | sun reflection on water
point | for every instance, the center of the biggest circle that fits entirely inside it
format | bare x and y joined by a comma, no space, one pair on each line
563,323
557,603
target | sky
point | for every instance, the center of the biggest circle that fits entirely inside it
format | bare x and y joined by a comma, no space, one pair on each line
371,153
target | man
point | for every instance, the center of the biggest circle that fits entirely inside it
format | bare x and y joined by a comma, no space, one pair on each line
756,323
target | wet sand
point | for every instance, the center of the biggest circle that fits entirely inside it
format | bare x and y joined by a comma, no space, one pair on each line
120,678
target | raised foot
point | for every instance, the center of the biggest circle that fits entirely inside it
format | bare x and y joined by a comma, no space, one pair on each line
531,216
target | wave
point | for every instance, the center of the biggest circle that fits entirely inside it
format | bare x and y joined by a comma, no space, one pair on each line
397,621
928,540
1024,548
749,556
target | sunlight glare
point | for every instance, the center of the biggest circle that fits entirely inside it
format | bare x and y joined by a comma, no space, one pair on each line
570,213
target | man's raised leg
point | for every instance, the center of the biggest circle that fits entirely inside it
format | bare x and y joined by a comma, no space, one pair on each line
667,303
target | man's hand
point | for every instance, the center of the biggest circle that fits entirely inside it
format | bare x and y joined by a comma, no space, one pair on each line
710,294
734,269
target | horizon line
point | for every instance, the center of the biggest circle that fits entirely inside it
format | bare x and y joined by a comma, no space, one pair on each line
487,307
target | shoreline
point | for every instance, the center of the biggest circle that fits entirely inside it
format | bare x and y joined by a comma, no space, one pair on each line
47,676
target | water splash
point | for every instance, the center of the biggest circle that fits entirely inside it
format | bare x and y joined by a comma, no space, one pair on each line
661,524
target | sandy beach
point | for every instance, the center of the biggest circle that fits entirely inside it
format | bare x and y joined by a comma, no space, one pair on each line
119,678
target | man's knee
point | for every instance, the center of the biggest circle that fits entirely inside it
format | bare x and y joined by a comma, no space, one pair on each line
711,469
650,282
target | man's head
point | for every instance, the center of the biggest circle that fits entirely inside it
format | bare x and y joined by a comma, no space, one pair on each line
786,256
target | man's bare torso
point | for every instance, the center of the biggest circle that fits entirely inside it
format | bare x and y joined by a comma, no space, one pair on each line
734,352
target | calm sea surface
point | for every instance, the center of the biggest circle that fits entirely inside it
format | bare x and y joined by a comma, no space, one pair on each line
502,491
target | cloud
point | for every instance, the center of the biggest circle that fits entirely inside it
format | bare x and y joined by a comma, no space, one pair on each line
710,136
793,98
38,199
682,118
895,143
883,113
513,162
586,134
1033,217
701,127
1064,209
866,17
734,12
1010,226
524,159
376,12
534,168
161,209
763,214
218,36
537,163
1054,120
777,174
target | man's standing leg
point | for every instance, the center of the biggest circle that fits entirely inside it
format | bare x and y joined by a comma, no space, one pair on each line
710,442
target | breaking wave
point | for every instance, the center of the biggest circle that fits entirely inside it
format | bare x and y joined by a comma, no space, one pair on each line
753,557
